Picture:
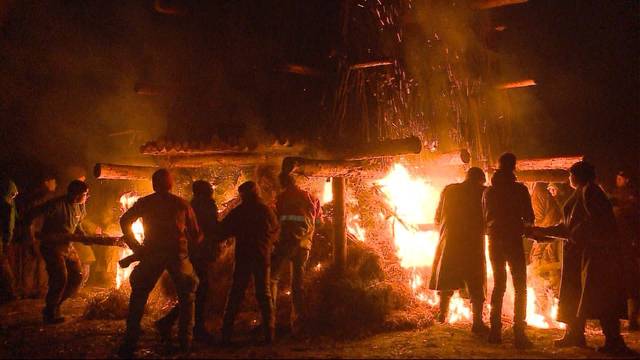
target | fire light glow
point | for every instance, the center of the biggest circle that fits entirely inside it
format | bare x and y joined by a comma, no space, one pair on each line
126,201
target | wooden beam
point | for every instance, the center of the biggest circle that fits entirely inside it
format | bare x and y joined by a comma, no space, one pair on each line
370,64
339,224
517,84
333,168
554,175
123,172
491,4
554,163
229,159
396,147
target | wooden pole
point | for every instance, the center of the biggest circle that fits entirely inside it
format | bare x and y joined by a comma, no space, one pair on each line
554,163
339,224
410,145
333,168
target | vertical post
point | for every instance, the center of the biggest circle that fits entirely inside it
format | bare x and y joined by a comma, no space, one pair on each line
339,224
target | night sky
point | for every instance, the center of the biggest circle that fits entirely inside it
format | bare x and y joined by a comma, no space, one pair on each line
68,70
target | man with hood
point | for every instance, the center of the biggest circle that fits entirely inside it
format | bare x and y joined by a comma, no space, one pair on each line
202,256
591,286
7,227
459,261
255,227
61,216
507,209
170,225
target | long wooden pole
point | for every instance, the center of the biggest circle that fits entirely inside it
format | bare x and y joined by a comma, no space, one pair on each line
339,224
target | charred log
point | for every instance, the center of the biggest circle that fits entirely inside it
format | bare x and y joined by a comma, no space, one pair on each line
554,163
552,175
410,145
123,172
228,159
333,168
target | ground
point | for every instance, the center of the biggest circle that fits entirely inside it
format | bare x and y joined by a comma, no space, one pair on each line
23,335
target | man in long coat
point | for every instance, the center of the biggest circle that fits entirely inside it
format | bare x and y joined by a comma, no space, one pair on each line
459,260
591,286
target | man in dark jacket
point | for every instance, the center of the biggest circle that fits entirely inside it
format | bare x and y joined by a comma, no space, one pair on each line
626,207
592,264
169,227
201,256
255,227
62,216
507,208
459,260
298,211
9,191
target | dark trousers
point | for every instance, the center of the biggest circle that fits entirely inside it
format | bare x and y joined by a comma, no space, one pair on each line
202,271
475,285
32,274
289,254
242,273
144,278
65,276
501,254
7,280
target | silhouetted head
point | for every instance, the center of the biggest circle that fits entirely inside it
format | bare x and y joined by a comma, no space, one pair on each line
202,188
476,175
507,162
77,192
8,189
249,191
162,181
622,179
286,180
581,173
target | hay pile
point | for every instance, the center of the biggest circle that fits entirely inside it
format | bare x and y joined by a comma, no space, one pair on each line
113,304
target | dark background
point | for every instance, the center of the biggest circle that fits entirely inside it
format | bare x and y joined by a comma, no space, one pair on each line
68,69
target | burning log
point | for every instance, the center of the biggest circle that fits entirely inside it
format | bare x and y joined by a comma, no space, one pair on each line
490,4
123,172
332,168
517,84
170,7
554,163
453,158
370,64
410,145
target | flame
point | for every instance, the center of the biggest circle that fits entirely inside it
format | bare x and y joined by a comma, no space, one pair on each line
327,193
414,200
126,201
353,227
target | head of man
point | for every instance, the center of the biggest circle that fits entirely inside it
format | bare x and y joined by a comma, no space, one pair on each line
286,180
202,189
581,173
507,162
249,191
476,175
622,179
553,189
9,190
77,192
162,181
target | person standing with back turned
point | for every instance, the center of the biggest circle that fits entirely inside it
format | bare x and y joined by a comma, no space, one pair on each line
507,209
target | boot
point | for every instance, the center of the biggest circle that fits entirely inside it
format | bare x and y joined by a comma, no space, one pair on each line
521,340
52,316
495,335
164,328
478,326
616,347
570,339
128,347
444,308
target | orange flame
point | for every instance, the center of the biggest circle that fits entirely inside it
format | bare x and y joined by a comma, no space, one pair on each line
126,201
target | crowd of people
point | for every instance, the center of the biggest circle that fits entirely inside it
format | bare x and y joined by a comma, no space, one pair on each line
582,244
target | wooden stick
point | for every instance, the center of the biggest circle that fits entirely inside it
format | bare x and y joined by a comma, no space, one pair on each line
517,84
370,64
339,224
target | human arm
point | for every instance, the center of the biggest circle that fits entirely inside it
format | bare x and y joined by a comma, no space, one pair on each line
126,220
438,216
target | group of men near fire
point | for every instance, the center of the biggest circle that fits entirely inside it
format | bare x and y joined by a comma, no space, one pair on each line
600,247
599,253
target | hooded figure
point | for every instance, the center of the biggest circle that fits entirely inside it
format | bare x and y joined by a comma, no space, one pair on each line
9,191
